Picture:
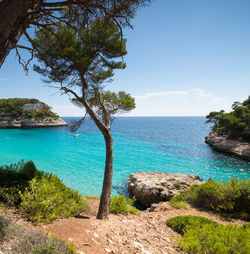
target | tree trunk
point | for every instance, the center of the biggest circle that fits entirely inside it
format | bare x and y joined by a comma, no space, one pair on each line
104,206
15,16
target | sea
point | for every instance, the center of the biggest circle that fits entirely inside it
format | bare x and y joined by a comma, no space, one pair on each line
167,144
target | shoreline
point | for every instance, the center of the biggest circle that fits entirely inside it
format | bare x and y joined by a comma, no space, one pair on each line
224,144
31,123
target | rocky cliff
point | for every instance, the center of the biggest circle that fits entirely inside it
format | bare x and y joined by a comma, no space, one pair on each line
27,113
9,123
226,145
155,187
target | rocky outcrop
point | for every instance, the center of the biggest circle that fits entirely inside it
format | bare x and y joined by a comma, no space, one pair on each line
155,187
226,145
9,123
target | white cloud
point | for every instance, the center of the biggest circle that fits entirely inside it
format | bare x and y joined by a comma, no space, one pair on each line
197,92
192,102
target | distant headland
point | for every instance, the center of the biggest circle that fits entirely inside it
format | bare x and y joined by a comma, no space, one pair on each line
231,131
27,113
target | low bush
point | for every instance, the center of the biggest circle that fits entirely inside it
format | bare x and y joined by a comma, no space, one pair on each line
16,239
179,202
232,198
47,198
119,204
14,179
87,196
41,195
201,235
180,224
216,239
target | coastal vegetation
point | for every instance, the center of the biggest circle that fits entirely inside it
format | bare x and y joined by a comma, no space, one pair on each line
41,196
201,235
119,204
229,199
27,241
16,108
235,124
82,63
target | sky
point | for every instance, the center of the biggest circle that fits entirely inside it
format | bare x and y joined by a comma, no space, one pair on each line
185,58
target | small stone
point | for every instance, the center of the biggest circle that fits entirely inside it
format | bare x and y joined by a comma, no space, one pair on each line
96,235
95,241
107,250
70,239
110,241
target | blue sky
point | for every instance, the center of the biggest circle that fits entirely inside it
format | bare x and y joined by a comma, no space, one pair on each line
185,58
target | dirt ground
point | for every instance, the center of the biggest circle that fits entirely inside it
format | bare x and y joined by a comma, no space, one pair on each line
146,233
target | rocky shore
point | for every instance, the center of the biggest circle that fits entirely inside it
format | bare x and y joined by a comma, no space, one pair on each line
9,123
155,187
226,145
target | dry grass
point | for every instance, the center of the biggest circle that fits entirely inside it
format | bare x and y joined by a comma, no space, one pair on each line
17,239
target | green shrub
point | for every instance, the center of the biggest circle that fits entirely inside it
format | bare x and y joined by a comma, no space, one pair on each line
46,248
216,239
87,196
14,179
180,224
228,198
180,205
119,204
29,169
47,198
179,202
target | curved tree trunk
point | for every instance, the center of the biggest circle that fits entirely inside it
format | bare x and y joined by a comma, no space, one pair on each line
15,16
104,206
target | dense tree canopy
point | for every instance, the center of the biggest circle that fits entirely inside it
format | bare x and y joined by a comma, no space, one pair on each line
15,108
16,16
82,62
235,124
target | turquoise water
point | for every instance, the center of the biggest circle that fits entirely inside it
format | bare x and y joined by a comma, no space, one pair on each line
168,144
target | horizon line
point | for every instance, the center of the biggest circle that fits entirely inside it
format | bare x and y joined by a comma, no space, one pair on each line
144,116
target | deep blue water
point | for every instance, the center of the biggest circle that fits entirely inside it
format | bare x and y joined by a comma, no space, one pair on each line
168,144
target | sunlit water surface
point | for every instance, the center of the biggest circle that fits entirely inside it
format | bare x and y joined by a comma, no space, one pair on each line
168,144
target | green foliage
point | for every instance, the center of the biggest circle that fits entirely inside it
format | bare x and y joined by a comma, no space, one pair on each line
114,102
228,198
179,204
87,196
180,224
47,198
92,50
235,124
43,196
216,239
14,179
119,204
46,248
86,59
14,108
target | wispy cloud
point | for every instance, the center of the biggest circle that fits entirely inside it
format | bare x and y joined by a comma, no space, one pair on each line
4,79
197,92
